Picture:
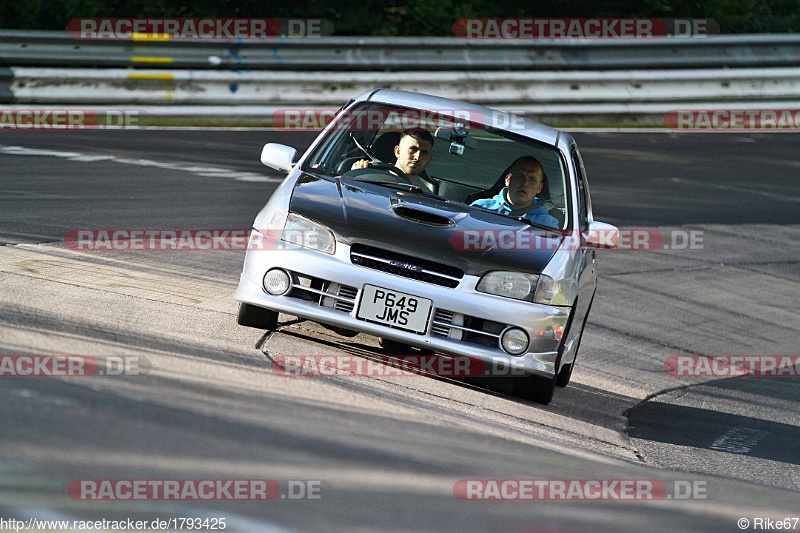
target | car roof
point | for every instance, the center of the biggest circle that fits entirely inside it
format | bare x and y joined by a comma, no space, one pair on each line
492,117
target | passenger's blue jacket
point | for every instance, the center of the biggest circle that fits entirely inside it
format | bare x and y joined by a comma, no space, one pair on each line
498,203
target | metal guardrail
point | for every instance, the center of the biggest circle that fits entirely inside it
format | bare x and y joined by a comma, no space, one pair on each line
200,87
6,77
40,48
585,81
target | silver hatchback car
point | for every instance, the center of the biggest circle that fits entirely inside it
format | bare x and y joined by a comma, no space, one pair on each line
434,224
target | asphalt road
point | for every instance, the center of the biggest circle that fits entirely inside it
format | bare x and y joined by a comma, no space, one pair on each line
387,452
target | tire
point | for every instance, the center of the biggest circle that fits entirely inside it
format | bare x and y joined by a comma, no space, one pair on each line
564,376
566,371
253,316
341,331
399,348
535,388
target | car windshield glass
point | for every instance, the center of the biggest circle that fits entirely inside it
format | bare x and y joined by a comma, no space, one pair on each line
468,162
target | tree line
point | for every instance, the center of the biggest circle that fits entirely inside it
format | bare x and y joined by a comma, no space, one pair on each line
410,17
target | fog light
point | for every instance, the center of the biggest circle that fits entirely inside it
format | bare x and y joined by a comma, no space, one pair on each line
276,281
514,341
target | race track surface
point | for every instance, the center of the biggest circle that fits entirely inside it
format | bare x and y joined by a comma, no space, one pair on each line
385,453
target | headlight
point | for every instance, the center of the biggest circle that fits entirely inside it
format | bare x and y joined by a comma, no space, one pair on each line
519,286
509,284
303,232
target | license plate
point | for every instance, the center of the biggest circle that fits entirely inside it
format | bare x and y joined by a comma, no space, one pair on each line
398,309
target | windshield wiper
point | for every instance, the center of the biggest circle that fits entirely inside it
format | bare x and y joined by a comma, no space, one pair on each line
526,220
374,159
530,222
405,187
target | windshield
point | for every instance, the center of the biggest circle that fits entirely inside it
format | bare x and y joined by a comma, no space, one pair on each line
448,157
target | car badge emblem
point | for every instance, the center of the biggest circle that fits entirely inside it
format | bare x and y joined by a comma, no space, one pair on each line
407,266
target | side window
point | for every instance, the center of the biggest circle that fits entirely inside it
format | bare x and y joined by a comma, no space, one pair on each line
583,208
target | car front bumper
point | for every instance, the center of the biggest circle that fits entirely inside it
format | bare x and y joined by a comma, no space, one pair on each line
544,324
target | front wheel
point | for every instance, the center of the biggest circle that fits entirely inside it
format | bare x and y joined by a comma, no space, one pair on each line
536,388
564,376
253,316
391,347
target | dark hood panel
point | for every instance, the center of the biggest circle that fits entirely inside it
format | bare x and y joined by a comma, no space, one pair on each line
364,212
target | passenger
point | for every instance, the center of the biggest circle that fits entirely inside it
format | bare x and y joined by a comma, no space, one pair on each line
413,153
524,181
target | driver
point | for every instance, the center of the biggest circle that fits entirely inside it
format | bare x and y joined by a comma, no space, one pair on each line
524,181
413,153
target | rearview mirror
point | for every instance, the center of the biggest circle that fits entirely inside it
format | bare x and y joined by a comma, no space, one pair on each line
278,156
458,139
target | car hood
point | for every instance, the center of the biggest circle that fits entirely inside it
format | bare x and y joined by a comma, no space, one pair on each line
473,240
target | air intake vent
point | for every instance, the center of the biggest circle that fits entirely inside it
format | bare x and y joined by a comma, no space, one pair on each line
350,294
442,316
423,217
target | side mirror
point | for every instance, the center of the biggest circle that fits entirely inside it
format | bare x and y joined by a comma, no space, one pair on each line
600,235
278,156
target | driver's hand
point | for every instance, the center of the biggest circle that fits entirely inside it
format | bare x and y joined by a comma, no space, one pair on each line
360,164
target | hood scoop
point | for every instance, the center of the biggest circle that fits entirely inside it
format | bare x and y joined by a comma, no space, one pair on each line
422,216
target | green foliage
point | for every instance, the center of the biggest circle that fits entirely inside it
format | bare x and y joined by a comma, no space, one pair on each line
408,17
734,16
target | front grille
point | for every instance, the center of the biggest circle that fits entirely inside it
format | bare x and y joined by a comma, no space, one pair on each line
405,265
444,323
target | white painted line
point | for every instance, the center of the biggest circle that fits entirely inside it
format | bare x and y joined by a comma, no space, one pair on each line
195,128
88,158
749,191
568,130
46,399
677,132
316,131
738,440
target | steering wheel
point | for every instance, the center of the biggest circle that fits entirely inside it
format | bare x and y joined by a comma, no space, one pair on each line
390,168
